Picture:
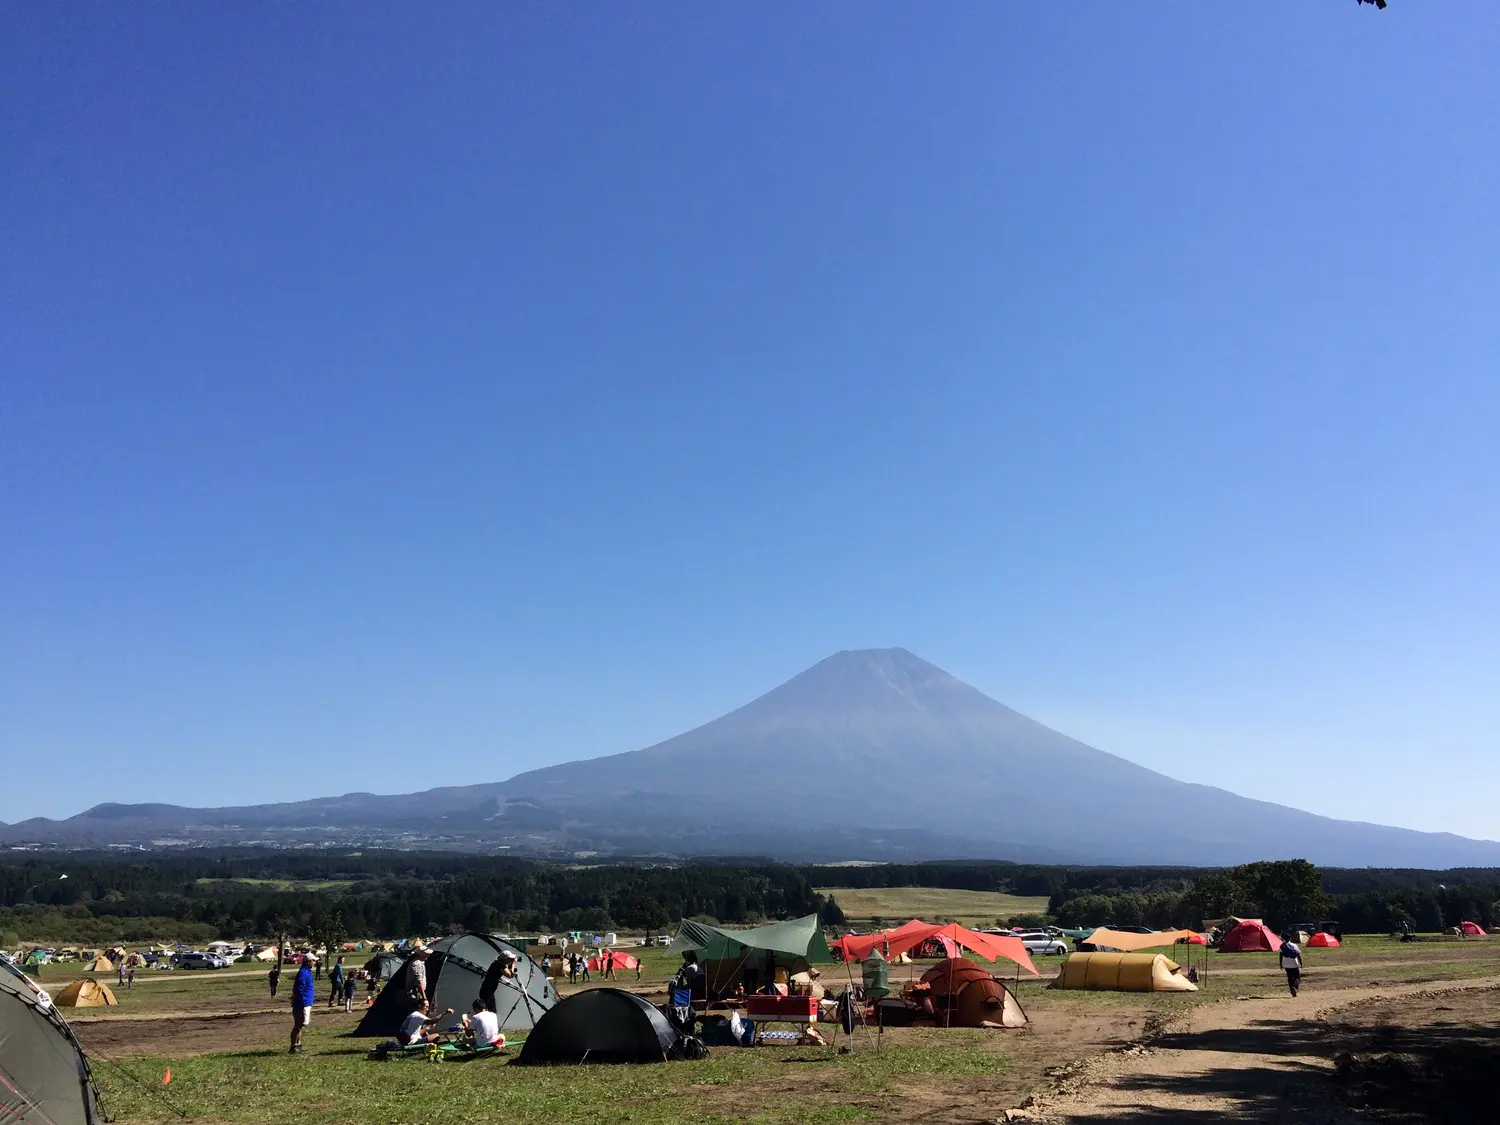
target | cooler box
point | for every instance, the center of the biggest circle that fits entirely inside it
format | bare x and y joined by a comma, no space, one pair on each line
803,1009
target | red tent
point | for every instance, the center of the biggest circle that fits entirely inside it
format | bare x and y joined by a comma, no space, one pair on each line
1251,937
1472,929
1193,939
1321,940
615,957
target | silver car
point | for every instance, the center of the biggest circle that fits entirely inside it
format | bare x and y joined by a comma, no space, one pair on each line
1036,941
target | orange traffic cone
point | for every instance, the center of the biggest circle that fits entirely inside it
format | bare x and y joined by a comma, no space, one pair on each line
166,1079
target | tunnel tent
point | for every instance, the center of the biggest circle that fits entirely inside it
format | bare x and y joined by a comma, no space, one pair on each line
602,1025
1122,972
456,974
86,993
1251,937
44,1078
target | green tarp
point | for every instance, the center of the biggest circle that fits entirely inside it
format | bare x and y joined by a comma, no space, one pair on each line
1079,935
796,937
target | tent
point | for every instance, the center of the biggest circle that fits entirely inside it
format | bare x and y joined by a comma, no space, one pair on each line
1193,938
616,959
457,973
753,957
914,933
1123,972
1321,940
605,1025
86,994
44,1079
1471,929
1127,942
268,954
965,995
383,966
99,965
1251,937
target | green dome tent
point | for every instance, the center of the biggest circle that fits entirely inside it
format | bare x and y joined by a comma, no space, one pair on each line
603,1025
456,973
44,1079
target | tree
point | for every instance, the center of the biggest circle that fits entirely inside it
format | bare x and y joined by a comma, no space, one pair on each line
327,930
830,913
642,912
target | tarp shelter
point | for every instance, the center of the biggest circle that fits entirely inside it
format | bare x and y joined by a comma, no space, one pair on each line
44,1079
603,1025
1251,937
1321,940
965,995
99,965
915,933
458,971
1126,942
1123,972
616,960
1471,929
751,958
86,994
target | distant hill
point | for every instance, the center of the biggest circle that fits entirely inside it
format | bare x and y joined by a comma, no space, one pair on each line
872,754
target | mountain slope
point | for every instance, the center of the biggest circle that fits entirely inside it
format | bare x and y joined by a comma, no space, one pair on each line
872,754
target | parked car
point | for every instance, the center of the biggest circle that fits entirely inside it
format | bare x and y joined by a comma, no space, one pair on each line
196,960
1038,941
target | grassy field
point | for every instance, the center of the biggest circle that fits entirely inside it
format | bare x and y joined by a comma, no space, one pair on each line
899,904
287,884
223,1038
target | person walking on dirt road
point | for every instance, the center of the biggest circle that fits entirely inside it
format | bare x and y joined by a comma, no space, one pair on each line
1291,963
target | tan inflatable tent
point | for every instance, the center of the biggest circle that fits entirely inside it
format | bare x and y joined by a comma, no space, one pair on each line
86,994
1123,972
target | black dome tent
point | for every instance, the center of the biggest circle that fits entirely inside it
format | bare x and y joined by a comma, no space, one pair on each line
44,1079
603,1025
455,975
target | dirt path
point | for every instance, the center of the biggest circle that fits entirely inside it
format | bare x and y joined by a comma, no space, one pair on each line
1264,1061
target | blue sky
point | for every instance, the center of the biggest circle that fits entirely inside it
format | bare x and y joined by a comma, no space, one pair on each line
388,389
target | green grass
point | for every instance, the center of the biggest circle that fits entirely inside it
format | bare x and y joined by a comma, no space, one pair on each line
286,884
899,904
334,1083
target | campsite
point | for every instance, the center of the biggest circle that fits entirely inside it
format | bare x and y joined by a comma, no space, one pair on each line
211,1046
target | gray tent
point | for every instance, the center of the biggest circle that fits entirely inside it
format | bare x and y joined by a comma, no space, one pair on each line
383,966
44,1079
459,971
604,1025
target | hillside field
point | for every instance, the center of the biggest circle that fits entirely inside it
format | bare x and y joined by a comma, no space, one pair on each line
898,904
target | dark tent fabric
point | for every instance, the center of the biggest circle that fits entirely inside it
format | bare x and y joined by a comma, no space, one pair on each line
456,973
383,966
43,1077
603,1025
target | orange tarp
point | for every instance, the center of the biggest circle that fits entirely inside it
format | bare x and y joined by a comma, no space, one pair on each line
895,942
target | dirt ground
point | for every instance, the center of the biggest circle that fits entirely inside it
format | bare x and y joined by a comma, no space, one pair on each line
1392,1053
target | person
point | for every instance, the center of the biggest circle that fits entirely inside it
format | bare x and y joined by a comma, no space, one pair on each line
572,968
546,964
414,1026
583,968
416,976
351,986
637,970
336,982
484,1027
1291,963
121,971
607,959
501,968
275,978
304,994
130,978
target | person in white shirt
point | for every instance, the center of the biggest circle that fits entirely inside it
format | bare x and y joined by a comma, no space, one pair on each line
1291,963
484,1026
414,1027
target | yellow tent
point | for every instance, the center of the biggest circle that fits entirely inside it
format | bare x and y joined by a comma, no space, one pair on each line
1123,972
86,994
100,965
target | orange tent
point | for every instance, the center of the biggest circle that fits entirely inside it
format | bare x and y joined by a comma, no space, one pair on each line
1320,940
615,959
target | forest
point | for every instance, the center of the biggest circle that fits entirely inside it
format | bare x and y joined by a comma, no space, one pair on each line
200,894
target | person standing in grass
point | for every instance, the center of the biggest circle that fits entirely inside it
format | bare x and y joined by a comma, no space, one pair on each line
1291,963
275,977
130,978
304,994
336,983
351,985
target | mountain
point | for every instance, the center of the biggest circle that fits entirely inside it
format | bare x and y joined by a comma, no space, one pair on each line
872,754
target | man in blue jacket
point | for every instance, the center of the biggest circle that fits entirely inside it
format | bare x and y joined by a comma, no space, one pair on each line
303,996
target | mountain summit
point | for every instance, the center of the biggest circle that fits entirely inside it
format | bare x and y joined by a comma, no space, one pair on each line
872,754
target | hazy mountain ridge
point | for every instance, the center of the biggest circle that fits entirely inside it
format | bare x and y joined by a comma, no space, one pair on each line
876,751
